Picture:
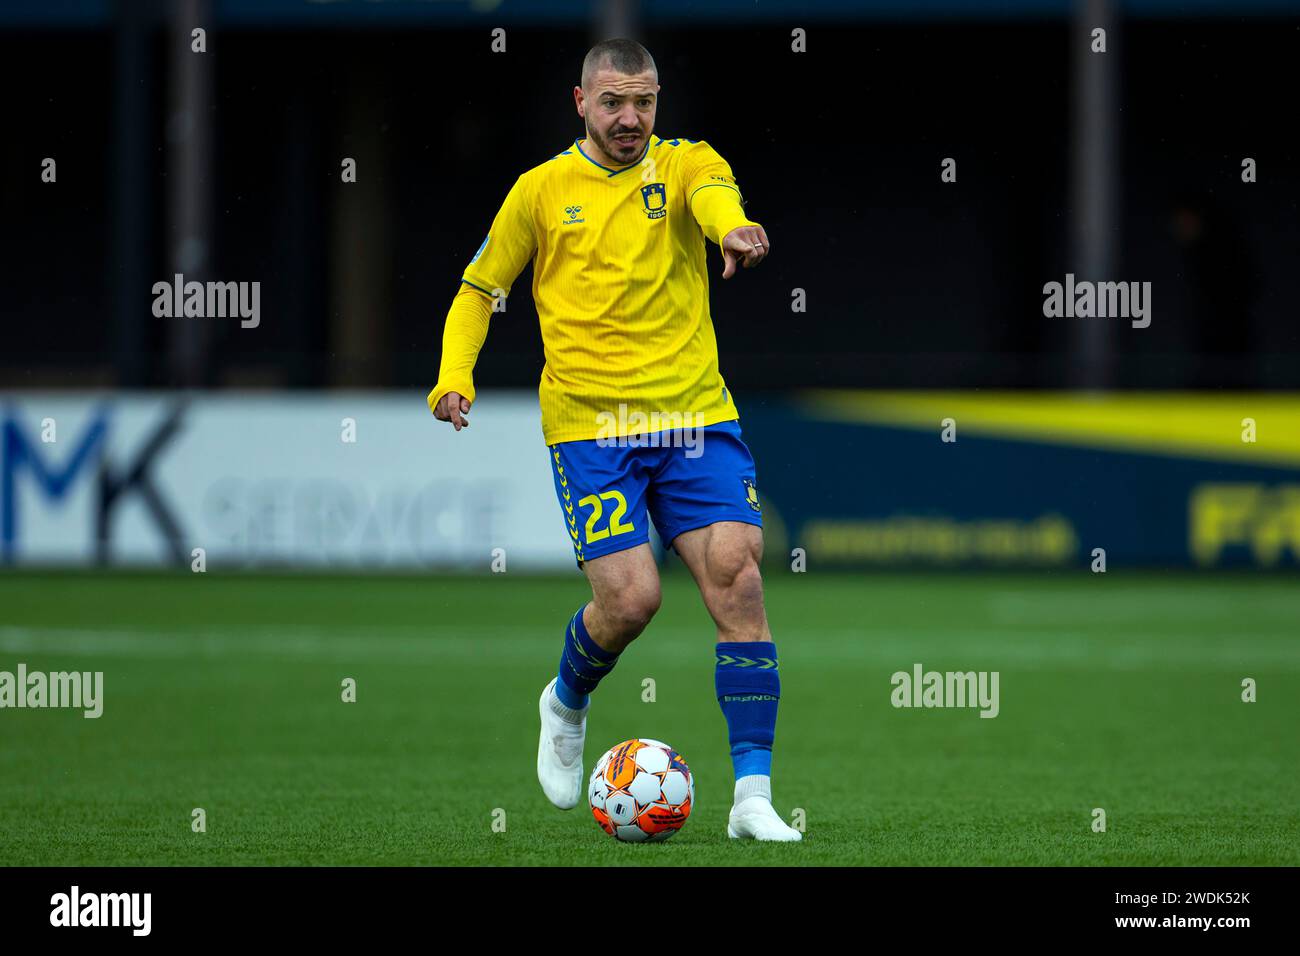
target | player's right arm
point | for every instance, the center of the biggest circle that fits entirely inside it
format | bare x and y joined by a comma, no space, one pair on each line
509,245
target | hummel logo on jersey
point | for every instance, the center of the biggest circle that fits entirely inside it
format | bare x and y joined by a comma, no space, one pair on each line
572,212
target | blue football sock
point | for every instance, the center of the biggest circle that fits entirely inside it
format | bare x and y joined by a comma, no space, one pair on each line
582,664
749,689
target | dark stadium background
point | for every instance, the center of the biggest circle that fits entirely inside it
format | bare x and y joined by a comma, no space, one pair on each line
910,282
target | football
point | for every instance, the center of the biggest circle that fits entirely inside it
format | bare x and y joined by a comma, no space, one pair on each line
641,790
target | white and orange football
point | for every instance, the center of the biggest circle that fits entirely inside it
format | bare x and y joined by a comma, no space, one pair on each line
641,790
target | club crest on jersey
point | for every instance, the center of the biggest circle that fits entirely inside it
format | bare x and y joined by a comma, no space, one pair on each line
573,212
655,198
751,495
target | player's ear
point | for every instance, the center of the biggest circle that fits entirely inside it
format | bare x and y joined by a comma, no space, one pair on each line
577,100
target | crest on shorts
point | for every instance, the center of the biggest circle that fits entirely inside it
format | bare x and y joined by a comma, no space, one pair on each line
656,200
751,494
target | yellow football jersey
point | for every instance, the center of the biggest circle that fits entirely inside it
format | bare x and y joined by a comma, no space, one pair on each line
620,285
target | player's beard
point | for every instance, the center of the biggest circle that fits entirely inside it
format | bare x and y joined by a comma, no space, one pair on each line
622,155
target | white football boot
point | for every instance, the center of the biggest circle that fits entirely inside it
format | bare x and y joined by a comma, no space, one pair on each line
754,818
559,751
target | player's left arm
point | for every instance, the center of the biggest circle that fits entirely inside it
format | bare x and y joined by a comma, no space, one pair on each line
717,205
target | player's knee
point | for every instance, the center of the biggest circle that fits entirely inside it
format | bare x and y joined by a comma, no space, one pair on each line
747,584
734,572
632,611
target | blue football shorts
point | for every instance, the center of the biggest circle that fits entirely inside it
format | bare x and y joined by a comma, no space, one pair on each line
609,490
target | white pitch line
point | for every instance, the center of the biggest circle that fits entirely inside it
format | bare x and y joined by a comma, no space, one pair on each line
941,648
1131,604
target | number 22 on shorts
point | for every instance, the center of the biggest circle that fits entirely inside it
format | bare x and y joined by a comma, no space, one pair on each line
616,525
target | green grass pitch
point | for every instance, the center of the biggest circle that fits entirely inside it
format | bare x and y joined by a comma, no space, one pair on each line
1120,691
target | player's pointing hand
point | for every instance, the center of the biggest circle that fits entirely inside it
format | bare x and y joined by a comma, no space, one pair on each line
453,407
748,244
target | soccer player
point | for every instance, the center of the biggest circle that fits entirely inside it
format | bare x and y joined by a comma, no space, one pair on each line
635,413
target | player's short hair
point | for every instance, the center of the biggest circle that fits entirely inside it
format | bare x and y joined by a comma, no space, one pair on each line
621,55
